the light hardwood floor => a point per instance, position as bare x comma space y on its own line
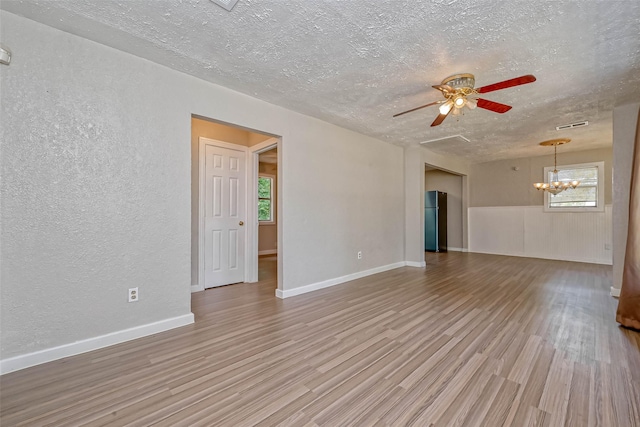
473, 340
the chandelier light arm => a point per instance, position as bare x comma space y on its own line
555, 186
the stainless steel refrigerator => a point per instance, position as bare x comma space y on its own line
435, 221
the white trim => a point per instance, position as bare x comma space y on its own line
337, 281
615, 292
268, 252
50, 354
223, 144
415, 264
452, 249
566, 258
265, 145
600, 206
251, 261
197, 288
272, 198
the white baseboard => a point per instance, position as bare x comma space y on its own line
338, 280
538, 256
615, 292
451, 249
50, 354
196, 288
603, 261
415, 264
268, 252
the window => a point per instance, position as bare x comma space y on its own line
266, 208
587, 197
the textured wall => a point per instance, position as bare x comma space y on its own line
516, 187
413, 205
342, 193
452, 185
625, 119
96, 189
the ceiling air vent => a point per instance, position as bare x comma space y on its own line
573, 125
226, 4
448, 140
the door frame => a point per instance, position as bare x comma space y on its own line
202, 142
251, 209
251, 260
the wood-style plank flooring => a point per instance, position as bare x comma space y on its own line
472, 340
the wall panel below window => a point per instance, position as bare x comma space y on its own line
528, 231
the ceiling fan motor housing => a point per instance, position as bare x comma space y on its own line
460, 81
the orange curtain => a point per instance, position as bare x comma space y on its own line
629, 304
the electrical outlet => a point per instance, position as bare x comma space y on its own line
359, 254
134, 296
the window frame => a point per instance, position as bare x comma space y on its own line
600, 189
271, 199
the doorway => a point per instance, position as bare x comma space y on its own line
224, 211
436, 179
267, 213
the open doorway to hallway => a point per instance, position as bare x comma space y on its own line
225, 204
267, 214
452, 185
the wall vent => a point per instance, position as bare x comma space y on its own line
225, 4
573, 125
448, 140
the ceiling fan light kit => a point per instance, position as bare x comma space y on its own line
446, 107
555, 186
459, 91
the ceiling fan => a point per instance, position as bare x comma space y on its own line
458, 91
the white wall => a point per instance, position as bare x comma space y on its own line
625, 119
96, 190
528, 231
343, 193
414, 207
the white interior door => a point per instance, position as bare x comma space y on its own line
224, 215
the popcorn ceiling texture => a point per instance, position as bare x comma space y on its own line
356, 63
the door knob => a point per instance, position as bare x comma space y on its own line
241, 223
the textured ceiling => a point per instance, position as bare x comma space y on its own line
355, 63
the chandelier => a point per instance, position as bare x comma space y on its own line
555, 186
